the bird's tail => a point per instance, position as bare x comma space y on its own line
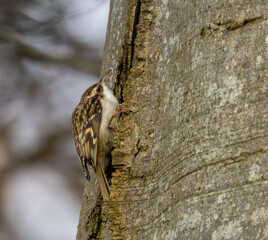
104, 185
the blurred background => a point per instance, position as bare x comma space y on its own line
50, 52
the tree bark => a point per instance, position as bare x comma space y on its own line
190, 154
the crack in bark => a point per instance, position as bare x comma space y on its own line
217, 193
238, 24
231, 25
128, 49
134, 30
229, 160
138, 148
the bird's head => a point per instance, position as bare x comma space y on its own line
97, 89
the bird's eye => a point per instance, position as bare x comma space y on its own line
98, 89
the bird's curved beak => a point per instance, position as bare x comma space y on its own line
106, 75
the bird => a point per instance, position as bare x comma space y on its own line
93, 122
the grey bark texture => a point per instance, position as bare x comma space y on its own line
190, 154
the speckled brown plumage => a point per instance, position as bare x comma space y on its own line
91, 132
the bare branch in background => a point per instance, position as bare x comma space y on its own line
24, 49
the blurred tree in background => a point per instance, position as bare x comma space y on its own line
50, 52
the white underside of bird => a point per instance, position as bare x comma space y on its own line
109, 107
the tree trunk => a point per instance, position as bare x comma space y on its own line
190, 152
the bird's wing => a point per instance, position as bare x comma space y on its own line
90, 132
87, 134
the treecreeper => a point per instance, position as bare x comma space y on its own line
93, 121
